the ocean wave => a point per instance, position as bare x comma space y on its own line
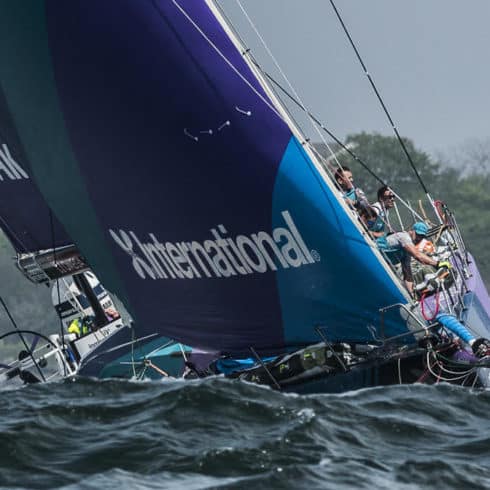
230, 434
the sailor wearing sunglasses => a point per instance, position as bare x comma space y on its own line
386, 201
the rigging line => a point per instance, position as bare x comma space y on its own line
253, 61
399, 216
131, 326
28, 350
142, 374
457, 373
293, 125
324, 162
260, 96
51, 223
439, 375
227, 61
247, 51
475, 379
166, 344
344, 147
319, 123
295, 93
380, 99
73, 300
120, 346
183, 352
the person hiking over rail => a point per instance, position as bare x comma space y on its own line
385, 202
397, 247
354, 196
418, 234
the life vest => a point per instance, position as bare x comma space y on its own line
356, 197
394, 254
379, 226
78, 328
351, 194
426, 246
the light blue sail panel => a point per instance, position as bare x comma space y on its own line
346, 285
161, 154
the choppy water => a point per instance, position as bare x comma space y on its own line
219, 433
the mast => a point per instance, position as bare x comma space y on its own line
83, 285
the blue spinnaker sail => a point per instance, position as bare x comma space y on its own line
179, 180
24, 215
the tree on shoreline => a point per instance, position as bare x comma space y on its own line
465, 189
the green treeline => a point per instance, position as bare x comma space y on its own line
464, 188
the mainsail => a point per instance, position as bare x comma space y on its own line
25, 217
180, 179
44, 249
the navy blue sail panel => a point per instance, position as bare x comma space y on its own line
201, 208
24, 215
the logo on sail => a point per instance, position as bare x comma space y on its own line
220, 257
9, 167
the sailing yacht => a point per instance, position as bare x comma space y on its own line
229, 233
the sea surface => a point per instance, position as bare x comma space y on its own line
218, 433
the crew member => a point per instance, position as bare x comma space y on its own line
79, 327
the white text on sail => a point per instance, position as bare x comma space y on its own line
9, 166
220, 257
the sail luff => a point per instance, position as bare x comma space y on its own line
279, 106
301, 137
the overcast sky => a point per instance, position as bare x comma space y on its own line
430, 60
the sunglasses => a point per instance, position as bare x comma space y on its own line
389, 196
